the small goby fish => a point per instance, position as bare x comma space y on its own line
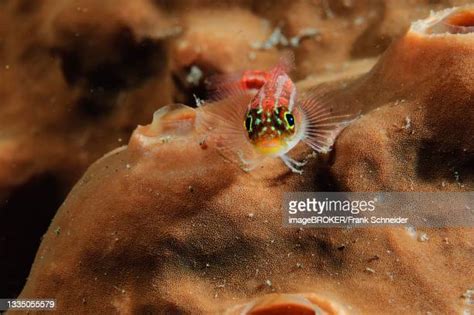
261, 116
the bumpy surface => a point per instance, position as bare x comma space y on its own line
79, 75
76, 77
421, 134
167, 225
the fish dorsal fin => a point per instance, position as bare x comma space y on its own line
285, 65
221, 86
322, 122
286, 62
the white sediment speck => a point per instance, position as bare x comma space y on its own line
400, 101
268, 282
411, 231
369, 270
419, 236
456, 176
128, 166
275, 39
423, 237
407, 123
194, 75
199, 102
327, 9
468, 296
305, 33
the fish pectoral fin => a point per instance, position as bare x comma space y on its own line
227, 114
321, 123
292, 164
245, 164
246, 159
222, 124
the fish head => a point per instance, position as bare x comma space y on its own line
272, 130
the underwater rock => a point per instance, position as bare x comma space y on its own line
331, 32
71, 82
167, 225
217, 41
76, 78
288, 304
79, 75
421, 134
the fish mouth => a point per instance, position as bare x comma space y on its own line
270, 146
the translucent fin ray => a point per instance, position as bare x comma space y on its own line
223, 123
221, 86
321, 124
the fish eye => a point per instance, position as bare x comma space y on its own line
290, 119
248, 123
